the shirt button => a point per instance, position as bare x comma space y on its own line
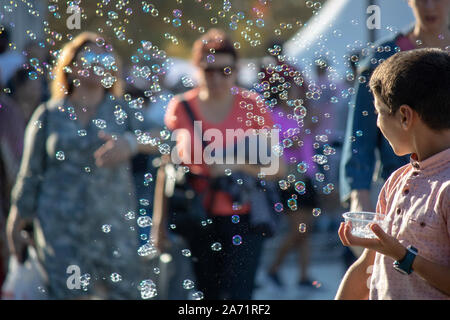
415, 173
406, 191
422, 224
399, 210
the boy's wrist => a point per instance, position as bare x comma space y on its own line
399, 253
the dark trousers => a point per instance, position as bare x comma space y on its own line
227, 274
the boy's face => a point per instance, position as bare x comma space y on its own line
392, 129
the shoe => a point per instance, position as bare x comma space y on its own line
309, 284
275, 278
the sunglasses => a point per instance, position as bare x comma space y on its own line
224, 71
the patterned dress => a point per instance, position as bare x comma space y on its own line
80, 210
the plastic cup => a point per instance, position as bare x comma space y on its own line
361, 221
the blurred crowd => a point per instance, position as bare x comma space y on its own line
88, 182
75, 179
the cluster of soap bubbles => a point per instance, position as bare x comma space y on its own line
149, 63
147, 289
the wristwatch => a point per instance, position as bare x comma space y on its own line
404, 266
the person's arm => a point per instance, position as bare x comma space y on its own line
17, 238
159, 233
360, 201
354, 285
435, 274
25, 193
360, 143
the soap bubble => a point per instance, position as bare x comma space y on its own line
177, 13
147, 289
60, 156
300, 187
198, 295
188, 284
84, 281
292, 204
283, 184
164, 148
130, 215
259, 23
320, 177
235, 218
302, 228
186, 252
106, 228
302, 167
216, 246
316, 212
144, 222
99, 123
148, 177
187, 82
278, 207
328, 188
32, 75
300, 112
176, 22
227, 70
115, 277
237, 240
147, 250
210, 58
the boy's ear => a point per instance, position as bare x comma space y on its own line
406, 114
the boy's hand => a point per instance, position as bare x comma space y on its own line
384, 244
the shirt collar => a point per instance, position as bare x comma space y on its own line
431, 162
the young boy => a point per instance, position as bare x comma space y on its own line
411, 260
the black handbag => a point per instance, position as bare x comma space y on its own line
186, 210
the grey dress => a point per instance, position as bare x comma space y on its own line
73, 202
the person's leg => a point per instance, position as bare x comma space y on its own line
304, 257
286, 246
301, 236
241, 258
287, 243
206, 263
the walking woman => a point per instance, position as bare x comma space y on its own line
75, 180
225, 251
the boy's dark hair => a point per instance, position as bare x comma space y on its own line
418, 78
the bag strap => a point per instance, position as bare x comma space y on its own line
211, 181
191, 116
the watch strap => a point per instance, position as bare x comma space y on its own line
406, 263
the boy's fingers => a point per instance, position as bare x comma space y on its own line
378, 231
341, 234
